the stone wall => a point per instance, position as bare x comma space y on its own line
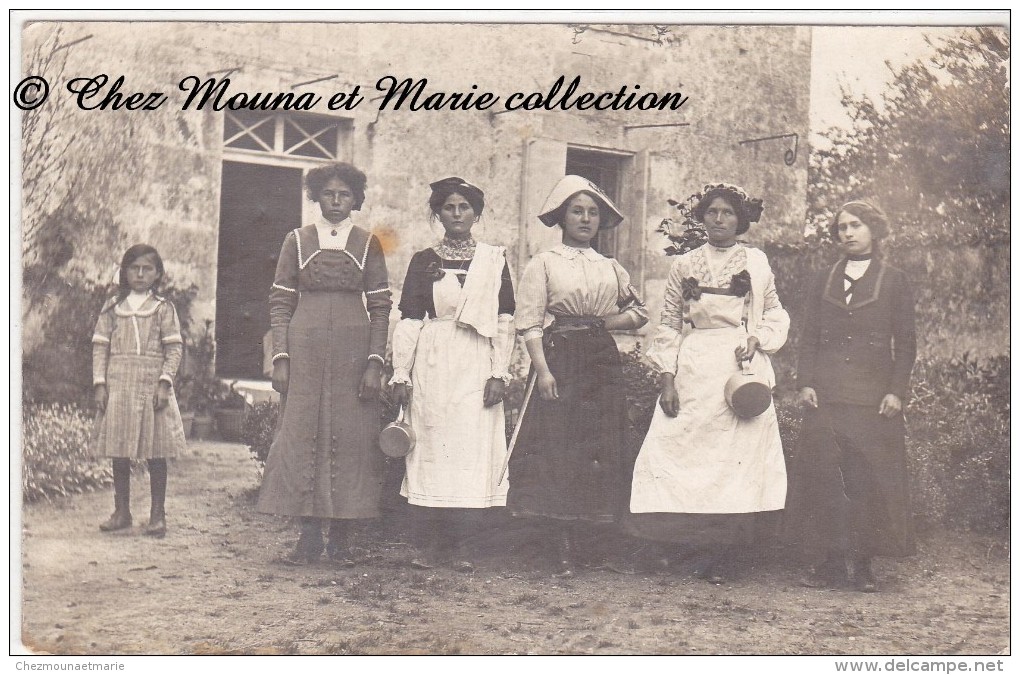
155, 176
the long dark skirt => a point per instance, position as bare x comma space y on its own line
849, 488
568, 460
325, 461
695, 529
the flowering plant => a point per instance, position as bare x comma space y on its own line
687, 234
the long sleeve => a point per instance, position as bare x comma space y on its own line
416, 293
101, 338
507, 302
532, 300
810, 338
173, 343
503, 347
904, 339
629, 301
283, 296
774, 326
405, 342
666, 344
503, 343
378, 299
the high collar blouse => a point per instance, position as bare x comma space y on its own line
327, 240
567, 281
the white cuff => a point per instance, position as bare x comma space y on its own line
665, 349
401, 376
532, 333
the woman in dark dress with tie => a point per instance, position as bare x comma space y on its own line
849, 496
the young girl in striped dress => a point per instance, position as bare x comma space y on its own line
136, 350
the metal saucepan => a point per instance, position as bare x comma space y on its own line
397, 438
747, 392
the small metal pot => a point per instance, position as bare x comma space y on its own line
747, 392
397, 438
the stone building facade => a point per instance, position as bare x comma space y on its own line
216, 190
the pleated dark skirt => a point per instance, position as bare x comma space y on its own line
568, 460
849, 488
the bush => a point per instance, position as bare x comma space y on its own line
59, 370
642, 392
55, 453
260, 428
958, 441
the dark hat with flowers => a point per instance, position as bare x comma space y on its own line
748, 209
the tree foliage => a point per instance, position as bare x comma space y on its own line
935, 154
72, 164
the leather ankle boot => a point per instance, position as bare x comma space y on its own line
565, 554
338, 547
121, 518
156, 526
860, 574
433, 552
157, 484
309, 545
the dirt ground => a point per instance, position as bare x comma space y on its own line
215, 585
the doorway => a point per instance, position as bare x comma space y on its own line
259, 204
605, 170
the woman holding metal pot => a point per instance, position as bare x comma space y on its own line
451, 354
707, 468
849, 497
567, 464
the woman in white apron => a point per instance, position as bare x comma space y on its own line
451, 354
703, 473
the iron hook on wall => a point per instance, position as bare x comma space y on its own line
790, 156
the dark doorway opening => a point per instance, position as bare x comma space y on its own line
259, 204
606, 171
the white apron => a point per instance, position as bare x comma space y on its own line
708, 460
460, 444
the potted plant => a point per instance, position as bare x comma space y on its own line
183, 389
231, 409
205, 388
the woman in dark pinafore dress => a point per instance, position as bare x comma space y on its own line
327, 362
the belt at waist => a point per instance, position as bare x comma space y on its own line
739, 326
565, 324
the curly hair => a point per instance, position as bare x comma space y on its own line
349, 174
731, 198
